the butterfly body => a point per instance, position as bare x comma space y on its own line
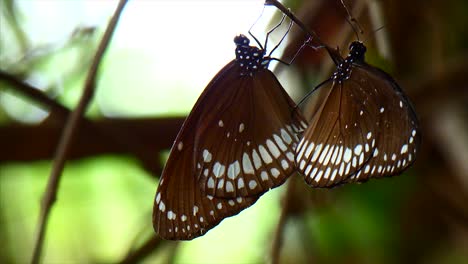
366, 127
237, 143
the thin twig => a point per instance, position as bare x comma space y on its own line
144, 250
33, 93
69, 134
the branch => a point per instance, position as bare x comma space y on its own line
33, 93
141, 253
103, 136
112, 134
69, 134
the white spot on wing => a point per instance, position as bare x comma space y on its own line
171, 215
310, 147
347, 155
286, 137
247, 164
233, 170
264, 176
206, 156
256, 159
180, 146
218, 169
240, 183
241, 127
316, 152
265, 155
220, 184
280, 142
252, 184
324, 153
210, 183
273, 149
275, 172
404, 148
358, 149
229, 187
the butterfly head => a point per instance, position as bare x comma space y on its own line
357, 50
241, 40
249, 58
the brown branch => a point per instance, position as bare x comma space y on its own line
33, 93
144, 250
37, 142
69, 134
119, 136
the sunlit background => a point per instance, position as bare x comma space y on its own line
161, 57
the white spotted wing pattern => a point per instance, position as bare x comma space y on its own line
237, 143
247, 150
365, 128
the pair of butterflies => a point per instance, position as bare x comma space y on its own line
245, 136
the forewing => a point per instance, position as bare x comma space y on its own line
181, 211
245, 142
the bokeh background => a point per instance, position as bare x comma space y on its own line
161, 57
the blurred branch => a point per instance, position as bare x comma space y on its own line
68, 135
37, 142
33, 93
97, 137
141, 253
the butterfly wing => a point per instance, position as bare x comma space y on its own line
399, 135
181, 211
245, 144
365, 122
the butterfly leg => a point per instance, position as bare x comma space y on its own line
250, 29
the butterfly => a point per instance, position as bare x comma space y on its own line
365, 128
237, 143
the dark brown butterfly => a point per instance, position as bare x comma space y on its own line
365, 128
237, 143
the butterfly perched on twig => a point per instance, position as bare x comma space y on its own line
366, 127
237, 143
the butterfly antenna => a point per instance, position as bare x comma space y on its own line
313, 90
374, 32
284, 36
352, 21
250, 29
305, 44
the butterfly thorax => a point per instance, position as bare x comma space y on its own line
356, 54
249, 58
